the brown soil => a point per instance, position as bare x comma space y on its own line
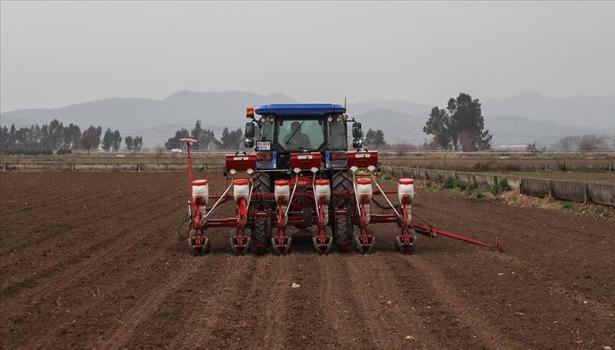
92, 260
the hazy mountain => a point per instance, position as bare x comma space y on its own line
518, 130
400, 106
521, 119
183, 107
586, 111
397, 127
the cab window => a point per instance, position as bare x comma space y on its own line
337, 133
265, 131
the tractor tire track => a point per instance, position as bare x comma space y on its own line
489, 335
193, 307
147, 306
240, 317
343, 313
272, 290
383, 303
307, 320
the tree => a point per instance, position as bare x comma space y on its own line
71, 136
379, 138
438, 125
53, 135
205, 138
199, 135
369, 137
468, 124
137, 143
116, 140
461, 125
128, 141
593, 143
4, 138
107, 140
90, 139
374, 138
174, 142
232, 139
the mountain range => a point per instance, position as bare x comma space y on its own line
520, 119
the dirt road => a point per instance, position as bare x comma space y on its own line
92, 260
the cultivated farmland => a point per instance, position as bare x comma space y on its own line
93, 260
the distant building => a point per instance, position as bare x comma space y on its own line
513, 148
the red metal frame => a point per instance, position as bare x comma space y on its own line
305, 160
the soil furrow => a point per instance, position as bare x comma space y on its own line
115, 276
122, 279
101, 253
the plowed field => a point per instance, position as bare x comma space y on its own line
92, 260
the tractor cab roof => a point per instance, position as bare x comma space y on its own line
300, 109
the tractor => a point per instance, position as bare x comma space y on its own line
299, 176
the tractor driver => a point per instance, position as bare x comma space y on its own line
296, 138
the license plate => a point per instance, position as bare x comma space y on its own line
263, 145
362, 155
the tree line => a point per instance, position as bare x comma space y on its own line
206, 138
60, 138
585, 143
374, 138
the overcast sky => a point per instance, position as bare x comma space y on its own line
54, 53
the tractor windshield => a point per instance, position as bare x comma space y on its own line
299, 135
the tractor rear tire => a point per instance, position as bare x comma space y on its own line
262, 182
261, 234
342, 224
261, 230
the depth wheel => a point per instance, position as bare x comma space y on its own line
364, 248
283, 250
406, 249
239, 250
204, 249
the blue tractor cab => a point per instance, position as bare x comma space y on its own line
299, 127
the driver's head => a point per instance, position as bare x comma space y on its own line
294, 126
